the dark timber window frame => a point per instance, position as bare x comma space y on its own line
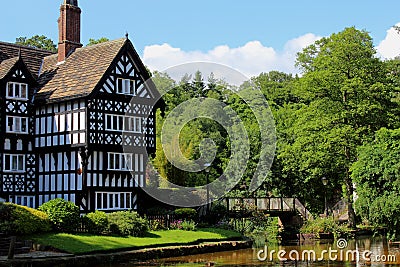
17, 91
119, 123
120, 161
113, 200
18, 124
126, 87
14, 163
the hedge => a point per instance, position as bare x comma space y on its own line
21, 220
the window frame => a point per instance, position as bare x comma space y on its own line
14, 120
119, 161
114, 198
126, 123
122, 89
10, 168
14, 84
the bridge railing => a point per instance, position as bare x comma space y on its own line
264, 204
268, 204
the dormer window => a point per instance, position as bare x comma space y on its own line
126, 87
17, 91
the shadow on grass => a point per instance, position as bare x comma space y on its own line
151, 235
89, 244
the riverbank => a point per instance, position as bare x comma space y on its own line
124, 256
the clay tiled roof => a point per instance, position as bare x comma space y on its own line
32, 57
6, 66
79, 74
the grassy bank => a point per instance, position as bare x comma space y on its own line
86, 243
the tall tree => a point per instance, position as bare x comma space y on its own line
191, 135
346, 98
41, 42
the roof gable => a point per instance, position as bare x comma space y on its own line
79, 74
32, 57
87, 71
128, 65
17, 65
6, 66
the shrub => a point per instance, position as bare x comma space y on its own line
63, 214
176, 225
21, 220
188, 225
97, 222
156, 225
219, 210
323, 225
126, 223
185, 214
385, 211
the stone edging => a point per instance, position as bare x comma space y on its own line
126, 256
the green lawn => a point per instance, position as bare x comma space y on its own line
86, 243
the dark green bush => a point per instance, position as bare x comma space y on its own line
323, 225
21, 220
217, 213
63, 214
385, 211
97, 222
126, 223
185, 214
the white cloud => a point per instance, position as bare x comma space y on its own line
390, 46
250, 59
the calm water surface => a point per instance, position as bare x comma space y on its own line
381, 254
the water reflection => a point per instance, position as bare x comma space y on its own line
389, 255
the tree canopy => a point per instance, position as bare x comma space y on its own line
343, 97
36, 41
97, 41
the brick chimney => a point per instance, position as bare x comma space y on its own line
69, 29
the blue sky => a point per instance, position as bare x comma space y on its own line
208, 30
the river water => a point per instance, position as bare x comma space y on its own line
360, 252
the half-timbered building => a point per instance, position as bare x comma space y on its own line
77, 124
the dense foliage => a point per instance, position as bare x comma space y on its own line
185, 213
64, 215
324, 225
97, 222
344, 96
377, 176
97, 41
21, 220
127, 223
36, 41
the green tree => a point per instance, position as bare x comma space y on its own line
191, 135
41, 42
377, 177
345, 97
97, 41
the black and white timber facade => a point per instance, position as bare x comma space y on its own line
77, 124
